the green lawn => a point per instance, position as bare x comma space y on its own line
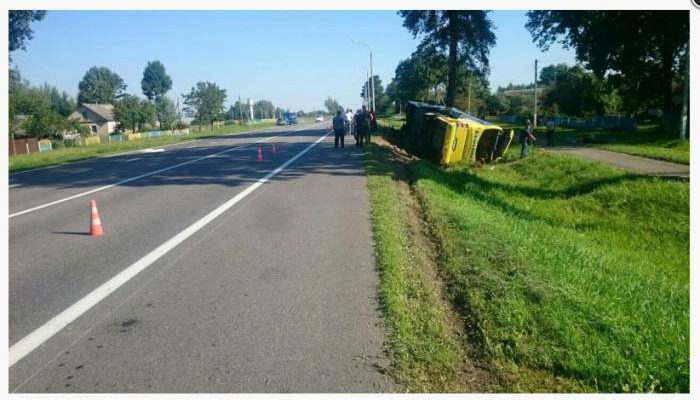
648, 141
566, 266
569, 275
66, 155
674, 150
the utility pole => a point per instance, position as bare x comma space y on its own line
179, 115
370, 85
684, 115
369, 96
534, 119
371, 74
240, 111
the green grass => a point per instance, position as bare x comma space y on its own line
648, 141
566, 266
391, 122
674, 150
71, 154
425, 356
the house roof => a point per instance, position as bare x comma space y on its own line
98, 113
104, 111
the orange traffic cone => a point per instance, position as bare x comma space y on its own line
274, 148
260, 158
95, 223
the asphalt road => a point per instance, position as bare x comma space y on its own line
216, 273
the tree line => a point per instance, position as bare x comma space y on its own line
46, 109
43, 111
627, 62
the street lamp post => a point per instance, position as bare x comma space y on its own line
369, 96
371, 74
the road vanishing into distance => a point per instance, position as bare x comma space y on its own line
216, 272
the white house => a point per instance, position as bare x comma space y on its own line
99, 118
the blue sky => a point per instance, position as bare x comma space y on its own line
293, 58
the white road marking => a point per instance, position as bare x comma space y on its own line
131, 159
262, 130
152, 150
99, 189
13, 185
35, 339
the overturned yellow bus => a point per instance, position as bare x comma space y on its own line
448, 135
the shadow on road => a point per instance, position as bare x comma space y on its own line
233, 168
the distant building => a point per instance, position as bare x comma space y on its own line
99, 118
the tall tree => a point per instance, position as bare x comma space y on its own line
549, 73
165, 112
332, 105
235, 111
20, 27
263, 109
577, 92
59, 101
420, 77
100, 85
45, 108
206, 101
645, 49
497, 104
133, 113
381, 102
472, 92
156, 82
466, 36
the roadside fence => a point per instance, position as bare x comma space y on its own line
33, 145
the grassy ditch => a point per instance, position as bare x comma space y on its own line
71, 154
567, 275
424, 351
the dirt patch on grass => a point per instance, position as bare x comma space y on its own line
472, 375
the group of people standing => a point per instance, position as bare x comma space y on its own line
359, 125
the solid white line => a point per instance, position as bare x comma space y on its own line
13, 185
35, 339
99, 189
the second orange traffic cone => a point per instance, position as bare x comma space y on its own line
95, 222
260, 158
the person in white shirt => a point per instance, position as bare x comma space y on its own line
348, 118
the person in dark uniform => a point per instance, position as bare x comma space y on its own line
339, 128
362, 127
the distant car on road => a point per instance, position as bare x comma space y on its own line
291, 119
319, 118
281, 121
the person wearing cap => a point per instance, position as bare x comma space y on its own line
339, 128
525, 137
